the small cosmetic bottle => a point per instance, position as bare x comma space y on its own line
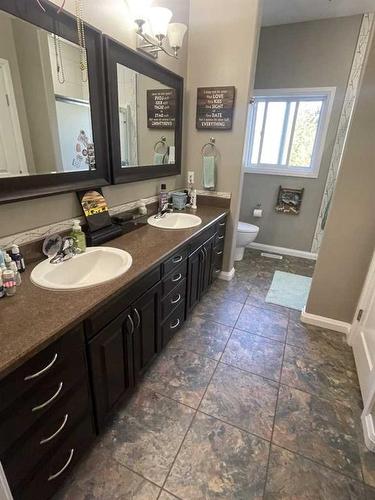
9, 283
18, 258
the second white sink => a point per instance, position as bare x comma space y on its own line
94, 267
175, 221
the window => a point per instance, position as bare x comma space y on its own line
286, 131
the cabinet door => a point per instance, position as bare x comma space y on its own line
110, 354
194, 279
146, 338
207, 266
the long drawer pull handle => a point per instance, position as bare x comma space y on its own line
177, 277
176, 260
175, 325
138, 317
131, 324
46, 440
219, 253
54, 476
176, 300
45, 369
46, 403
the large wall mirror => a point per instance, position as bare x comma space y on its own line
145, 111
52, 104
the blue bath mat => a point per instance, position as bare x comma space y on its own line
289, 290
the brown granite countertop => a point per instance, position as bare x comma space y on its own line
35, 317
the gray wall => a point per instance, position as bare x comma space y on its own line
223, 44
310, 54
349, 238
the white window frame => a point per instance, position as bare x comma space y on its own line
328, 94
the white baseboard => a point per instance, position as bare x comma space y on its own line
284, 251
328, 323
227, 276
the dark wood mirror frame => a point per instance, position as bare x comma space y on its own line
115, 52
64, 25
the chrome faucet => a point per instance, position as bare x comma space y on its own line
67, 251
166, 208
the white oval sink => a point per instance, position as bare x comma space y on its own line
175, 221
94, 267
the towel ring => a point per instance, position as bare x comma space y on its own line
210, 144
162, 142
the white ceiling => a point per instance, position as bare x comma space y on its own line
295, 11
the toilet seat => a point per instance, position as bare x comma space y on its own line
244, 227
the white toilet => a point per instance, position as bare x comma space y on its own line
246, 234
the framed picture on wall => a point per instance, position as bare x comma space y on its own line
289, 201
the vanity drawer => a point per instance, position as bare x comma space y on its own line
170, 264
57, 466
45, 366
201, 239
221, 227
174, 279
217, 263
173, 300
173, 323
56, 425
25, 412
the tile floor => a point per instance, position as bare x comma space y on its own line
245, 403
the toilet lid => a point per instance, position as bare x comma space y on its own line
243, 227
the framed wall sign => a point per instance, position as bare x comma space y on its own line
215, 108
161, 108
289, 201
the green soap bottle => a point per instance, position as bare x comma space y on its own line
78, 236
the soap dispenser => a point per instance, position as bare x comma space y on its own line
78, 236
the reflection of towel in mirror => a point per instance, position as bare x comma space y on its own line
159, 158
209, 172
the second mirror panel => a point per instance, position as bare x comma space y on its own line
147, 119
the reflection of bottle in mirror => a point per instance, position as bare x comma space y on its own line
171, 156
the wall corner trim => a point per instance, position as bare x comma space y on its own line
323, 322
227, 276
284, 251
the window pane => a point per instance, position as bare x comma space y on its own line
305, 133
273, 132
259, 110
288, 133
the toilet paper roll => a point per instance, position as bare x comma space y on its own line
258, 212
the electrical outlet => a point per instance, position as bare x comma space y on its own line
190, 177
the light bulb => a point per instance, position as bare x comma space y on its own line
159, 18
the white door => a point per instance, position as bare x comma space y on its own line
362, 340
12, 154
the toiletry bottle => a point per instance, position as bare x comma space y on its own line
142, 208
78, 236
2, 252
17, 275
9, 283
18, 258
163, 196
7, 260
2, 290
193, 199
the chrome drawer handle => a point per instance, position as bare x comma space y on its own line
220, 237
176, 300
222, 224
54, 476
138, 318
46, 403
175, 325
46, 440
177, 277
176, 260
219, 253
45, 369
131, 324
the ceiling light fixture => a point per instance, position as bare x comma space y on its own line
155, 32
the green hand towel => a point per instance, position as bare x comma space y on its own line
209, 172
159, 158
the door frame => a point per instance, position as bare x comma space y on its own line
5, 67
364, 302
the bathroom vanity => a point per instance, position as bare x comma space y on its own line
87, 349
